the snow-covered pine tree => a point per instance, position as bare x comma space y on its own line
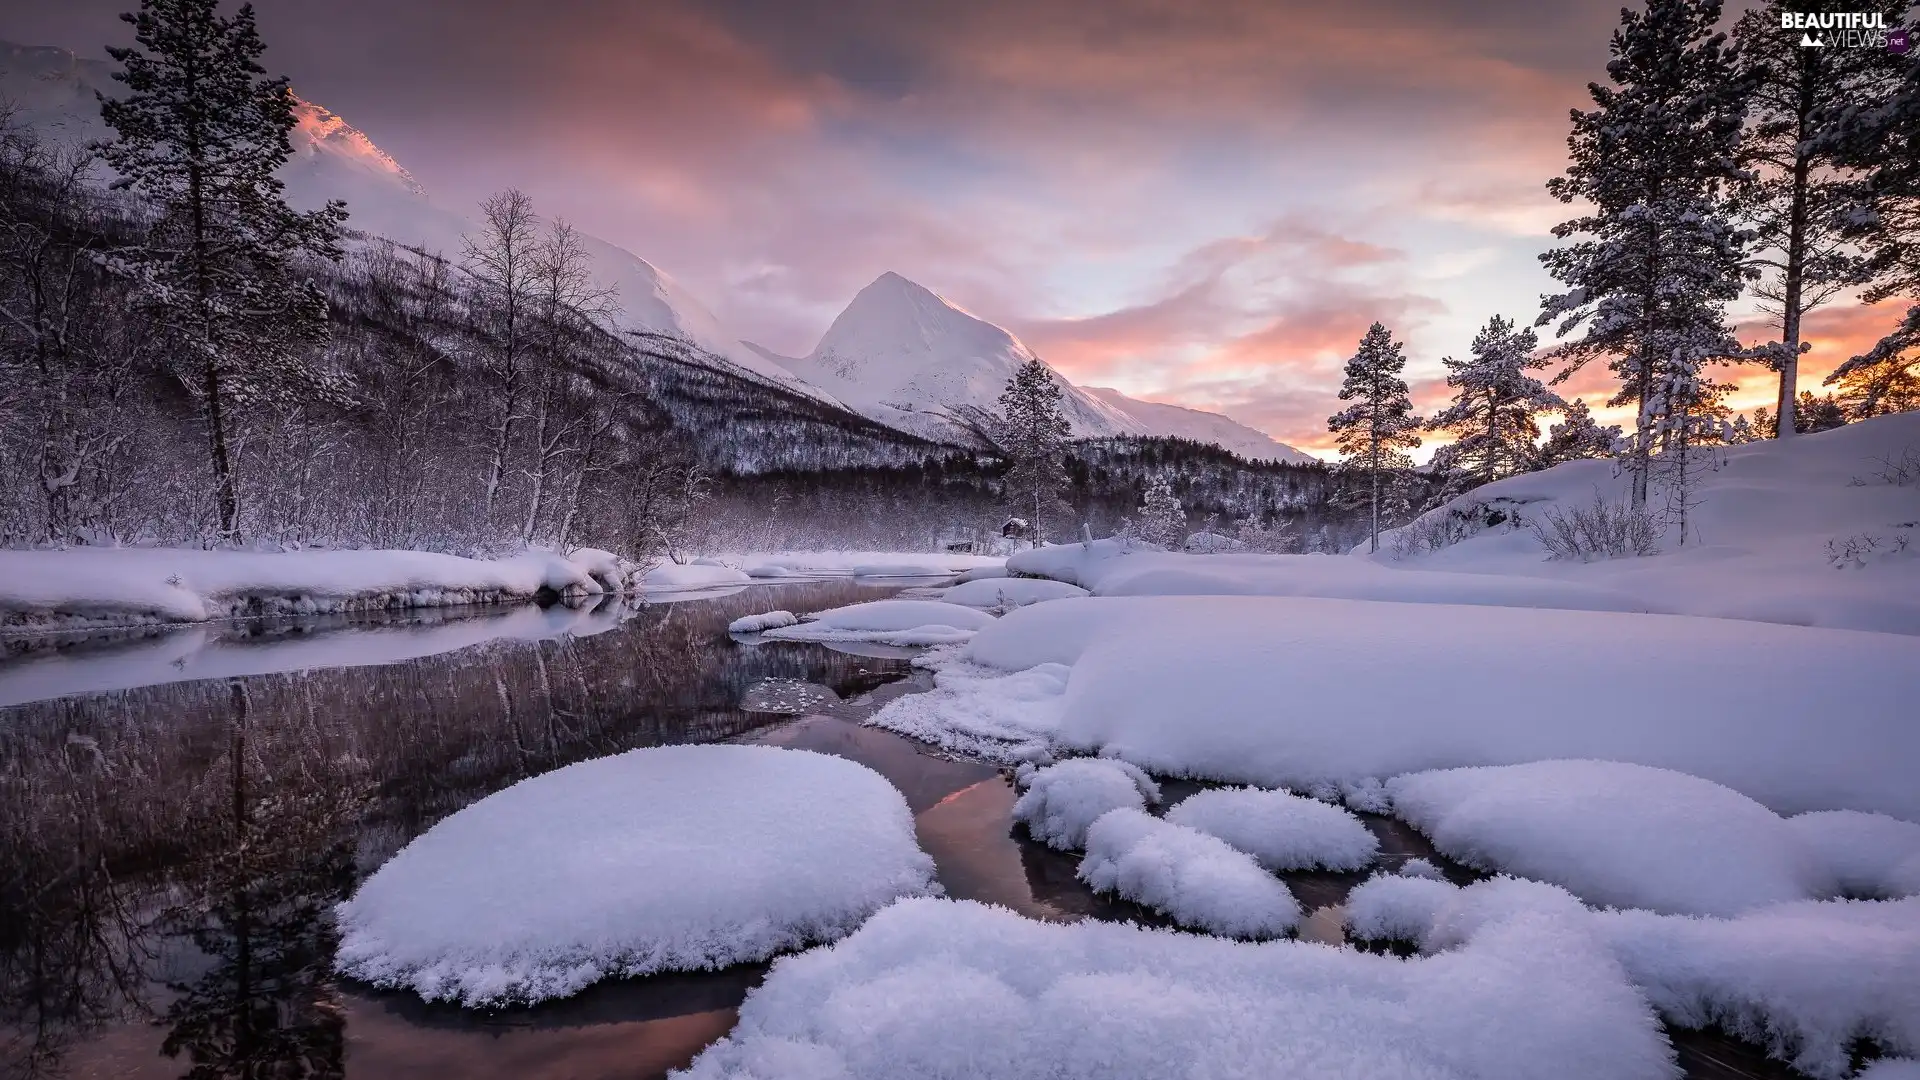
1031, 431
1494, 405
1880, 135
1379, 425
1657, 256
201, 132
1885, 378
1161, 519
1577, 436
1796, 196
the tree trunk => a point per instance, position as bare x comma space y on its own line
1794, 273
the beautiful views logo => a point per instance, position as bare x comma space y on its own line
1846, 30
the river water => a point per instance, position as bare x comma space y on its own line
180, 809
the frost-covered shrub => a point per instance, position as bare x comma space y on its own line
1446, 527
1599, 530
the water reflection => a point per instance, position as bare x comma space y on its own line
176, 826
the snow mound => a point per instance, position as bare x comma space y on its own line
1614, 834
1118, 568
668, 858
1246, 690
682, 577
1009, 592
1396, 907
1805, 979
760, 571
1890, 1069
1281, 830
982, 573
1062, 800
949, 989
889, 622
971, 710
1867, 854
1195, 879
754, 624
1417, 867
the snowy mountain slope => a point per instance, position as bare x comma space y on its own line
906, 356
54, 91
1202, 426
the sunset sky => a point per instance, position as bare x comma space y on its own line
1196, 201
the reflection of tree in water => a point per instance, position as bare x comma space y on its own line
228, 815
259, 907
69, 945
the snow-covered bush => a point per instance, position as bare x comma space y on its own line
1600, 530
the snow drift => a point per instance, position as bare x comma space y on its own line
668, 858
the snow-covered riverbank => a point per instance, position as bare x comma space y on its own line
121, 586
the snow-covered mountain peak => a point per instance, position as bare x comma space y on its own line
904, 355
320, 130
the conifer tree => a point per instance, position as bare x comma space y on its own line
1493, 410
1797, 195
1032, 432
1162, 520
1379, 425
1657, 256
1879, 134
1577, 436
1885, 378
201, 132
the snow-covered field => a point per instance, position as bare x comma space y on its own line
669, 858
1701, 769
1816, 531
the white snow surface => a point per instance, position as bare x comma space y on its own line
1000, 717
832, 563
1396, 907
1061, 801
1281, 830
1615, 834
1759, 548
1195, 879
1246, 690
1868, 855
667, 858
1805, 979
951, 989
1890, 1069
1008, 593
139, 584
753, 624
685, 577
889, 622
1120, 568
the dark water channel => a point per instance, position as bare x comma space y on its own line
179, 810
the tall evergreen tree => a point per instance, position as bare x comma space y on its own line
1494, 404
1379, 425
1797, 196
1879, 134
1658, 257
1032, 432
1885, 378
201, 132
